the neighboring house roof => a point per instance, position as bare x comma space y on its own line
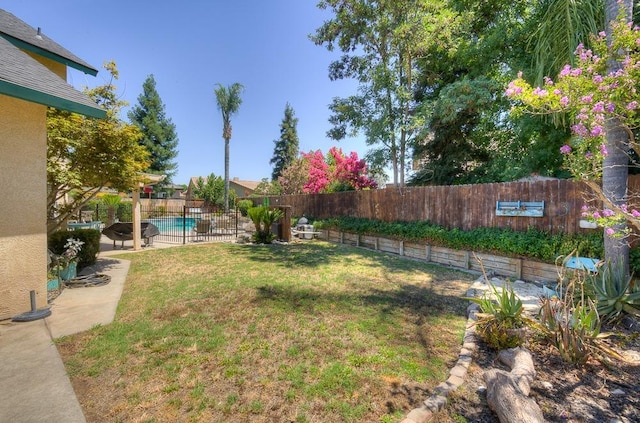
23, 77
250, 185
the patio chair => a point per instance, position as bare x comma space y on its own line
202, 228
123, 231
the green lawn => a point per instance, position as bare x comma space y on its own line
311, 332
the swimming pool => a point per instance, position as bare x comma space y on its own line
173, 225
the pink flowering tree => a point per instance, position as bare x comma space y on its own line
293, 178
319, 174
313, 173
350, 171
598, 101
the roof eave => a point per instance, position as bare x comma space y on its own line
46, 53
34, 96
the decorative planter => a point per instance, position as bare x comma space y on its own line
53, 284
69, 272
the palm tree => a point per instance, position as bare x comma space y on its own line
229, 102
565, 23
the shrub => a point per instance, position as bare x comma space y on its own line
263, 218
243, 206
90, 249
532, 243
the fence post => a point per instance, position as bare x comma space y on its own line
427, 252
184, 224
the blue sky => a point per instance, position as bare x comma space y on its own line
189, 47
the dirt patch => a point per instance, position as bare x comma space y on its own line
565, 393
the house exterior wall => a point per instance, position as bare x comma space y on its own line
58, 68
241, 191
23, 234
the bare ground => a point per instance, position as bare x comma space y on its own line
565, 393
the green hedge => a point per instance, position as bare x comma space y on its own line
532, 243
90, 249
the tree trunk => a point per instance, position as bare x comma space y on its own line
226, 175
615, 165
508, 393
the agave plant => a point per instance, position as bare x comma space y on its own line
615, 292
500, 323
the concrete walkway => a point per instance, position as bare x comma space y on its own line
33, 381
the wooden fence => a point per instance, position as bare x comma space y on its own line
459, 206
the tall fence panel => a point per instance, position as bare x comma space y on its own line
459, 206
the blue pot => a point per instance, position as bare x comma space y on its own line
53, 284
69, 272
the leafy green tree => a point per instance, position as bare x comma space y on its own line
465, 137
266, 187
159, 133
211, 190
286, 147
85, 155
381, 42
229, 101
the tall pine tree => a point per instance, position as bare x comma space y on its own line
286, 148
159, 132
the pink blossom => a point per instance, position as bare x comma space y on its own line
548, 81
587, 98
635, 213
596, 131
596, 215
564, 100
557, 91
598, 107
580, 130
603, 150
610, 107
610, 231
565, 149
632, 105
576, 72
623, 207
597, 79
607, 213
566, 71
539, 92
588, 155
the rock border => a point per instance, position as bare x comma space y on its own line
438, 399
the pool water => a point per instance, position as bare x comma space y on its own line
173, 225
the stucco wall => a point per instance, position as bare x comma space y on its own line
23, 239
56, 67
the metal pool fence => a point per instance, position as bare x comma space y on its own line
190, 224
180, 224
